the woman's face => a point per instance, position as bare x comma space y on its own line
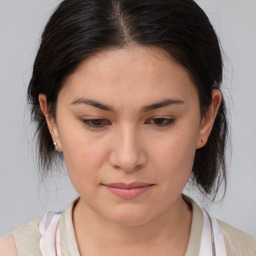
124, 116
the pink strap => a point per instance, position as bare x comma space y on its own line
50, 240
212, 240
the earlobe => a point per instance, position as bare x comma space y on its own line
50, 121
209, 118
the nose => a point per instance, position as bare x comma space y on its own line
127, 152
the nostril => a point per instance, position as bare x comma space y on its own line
127, 152
127, 163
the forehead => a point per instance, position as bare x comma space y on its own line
131, 72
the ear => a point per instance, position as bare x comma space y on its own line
51, 123
209, 118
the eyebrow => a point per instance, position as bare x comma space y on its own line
147, 108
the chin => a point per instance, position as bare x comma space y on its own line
129, 218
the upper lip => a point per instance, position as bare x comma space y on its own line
128, 185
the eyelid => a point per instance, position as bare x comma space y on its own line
88, 122
166, 122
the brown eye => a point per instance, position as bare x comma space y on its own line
96, 123
162, 121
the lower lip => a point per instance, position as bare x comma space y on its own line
128, 193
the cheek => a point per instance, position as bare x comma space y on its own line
177, 171
83, 160
178, 149
175, 156
82, 157
83, 153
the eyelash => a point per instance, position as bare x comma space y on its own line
88, 122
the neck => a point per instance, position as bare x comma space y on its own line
169, 232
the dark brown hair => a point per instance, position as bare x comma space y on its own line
80, 28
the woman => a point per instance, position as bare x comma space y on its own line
128, 92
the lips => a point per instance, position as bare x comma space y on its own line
128, 191
130, 185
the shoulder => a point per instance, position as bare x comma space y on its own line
24, 239
27, 228
237, 242
7, 246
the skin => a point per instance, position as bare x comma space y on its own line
128, 147
7, 246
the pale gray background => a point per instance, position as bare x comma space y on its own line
23, 197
